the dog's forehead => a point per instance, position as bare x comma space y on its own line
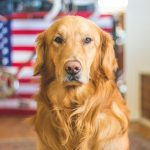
74, 23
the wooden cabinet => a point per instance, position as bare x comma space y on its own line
145, 96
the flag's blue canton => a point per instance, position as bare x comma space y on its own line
5, 43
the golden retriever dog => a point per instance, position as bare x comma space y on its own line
79, 106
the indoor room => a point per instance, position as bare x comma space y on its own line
108, 42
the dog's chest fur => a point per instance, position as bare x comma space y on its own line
74, 120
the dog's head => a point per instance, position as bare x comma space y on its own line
72, 50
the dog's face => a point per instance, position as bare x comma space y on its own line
71, 49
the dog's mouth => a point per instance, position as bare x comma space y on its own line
72, 80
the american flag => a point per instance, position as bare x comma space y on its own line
23, 35
17, 42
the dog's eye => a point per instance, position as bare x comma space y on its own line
87, 40
59, 40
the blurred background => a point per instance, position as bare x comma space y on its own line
22, 20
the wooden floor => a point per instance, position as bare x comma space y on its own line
16, 127
139, 128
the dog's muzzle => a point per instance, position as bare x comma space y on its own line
72, 69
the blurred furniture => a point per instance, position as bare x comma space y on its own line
145, 95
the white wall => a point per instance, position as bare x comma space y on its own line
137, 52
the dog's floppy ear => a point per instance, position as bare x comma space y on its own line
108, 60
40, 52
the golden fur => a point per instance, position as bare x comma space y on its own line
85, 115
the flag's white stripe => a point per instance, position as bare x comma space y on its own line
27, 88
21, 56
15, 103
26, 72
9, 103
23, 40
30, 24
11, 69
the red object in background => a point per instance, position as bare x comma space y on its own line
85, 14
26, 15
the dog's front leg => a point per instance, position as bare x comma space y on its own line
112, 132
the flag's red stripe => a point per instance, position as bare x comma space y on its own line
22, 64
28, 80
21, 95
85, 14
109, 30
25, 48
24, 15
25, 95
27, 31
28, 48
18, 111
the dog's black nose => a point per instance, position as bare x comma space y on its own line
72, 67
